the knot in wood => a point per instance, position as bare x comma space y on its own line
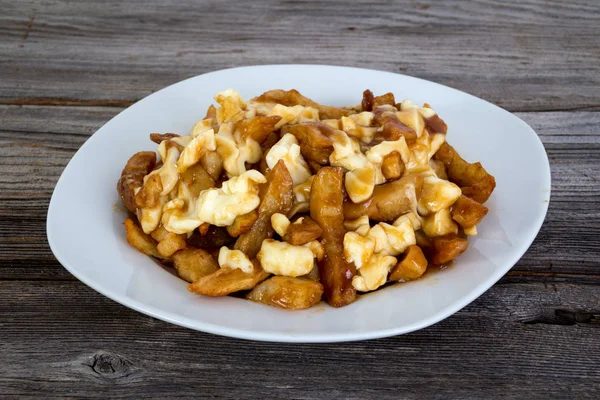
110, 365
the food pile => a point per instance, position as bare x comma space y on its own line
284, 200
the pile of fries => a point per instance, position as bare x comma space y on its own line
284, 200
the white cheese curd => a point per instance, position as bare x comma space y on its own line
237, 196
288, 150
374, 273
437, 194
282, 258
235, 259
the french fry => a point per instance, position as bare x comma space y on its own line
445, 249
384, 99
326, 208
389, 200
197, 179
313, 139
276, 197
367, 101
132, 177
159, 233
214, 237
467, 212
439, 168
242, 223
392, 166
394, 129
292, 97
192, 264
226, 280
149, 194
213, 164
313, 275
158, 138
473, 179
257, 128
301, 233
288, 293
211, 112
139, 240
171, 243
412, 266
436, 125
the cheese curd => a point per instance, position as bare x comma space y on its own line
282, 258
358, 249
359, 126
302, 191
374, 273
413, 119
437, 194
439, 223
197, 147
231, 106
237, 196
294, 115
288, 150
236, 151
360, 178
424, 111
180, 214
235, 259
280, 223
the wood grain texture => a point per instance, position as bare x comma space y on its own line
516, 341
529, 55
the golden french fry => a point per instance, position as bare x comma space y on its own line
412, 266
132, 177
257, 128
171, 243
367, 101
439, 168
288, 293
326, 209
445, 249
389, 200
226, 280
213, 164
242, 223
159, 233
213, 237
139, 240
394, 129
467, 212
211, 112
292, 97
306, 231
149, 194
473, 179
276, 197
158, 138
197, 179
192, 264
392, 166
384, 99
313, 139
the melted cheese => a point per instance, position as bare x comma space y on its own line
282, 258
288, 150
235, 259
237, 196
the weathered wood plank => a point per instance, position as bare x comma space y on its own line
36, 142
61, 339
527, 55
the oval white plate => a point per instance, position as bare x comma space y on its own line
87, 235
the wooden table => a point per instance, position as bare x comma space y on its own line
66, 68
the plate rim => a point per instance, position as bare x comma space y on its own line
283, 337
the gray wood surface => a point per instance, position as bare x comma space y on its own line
67, 67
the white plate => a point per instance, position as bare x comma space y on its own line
87, 236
